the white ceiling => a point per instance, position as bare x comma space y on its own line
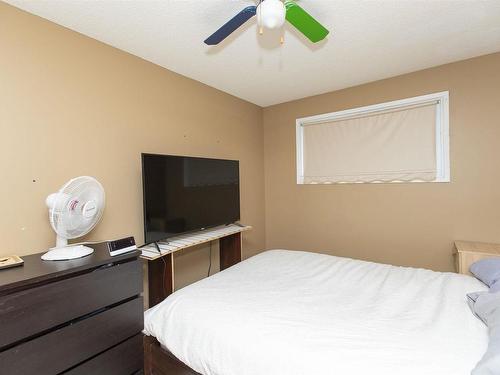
369, 40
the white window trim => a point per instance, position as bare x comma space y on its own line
442, 129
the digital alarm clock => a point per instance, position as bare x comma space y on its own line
123, 245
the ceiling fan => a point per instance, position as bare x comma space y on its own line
271, 14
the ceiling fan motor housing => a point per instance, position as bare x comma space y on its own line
271, 14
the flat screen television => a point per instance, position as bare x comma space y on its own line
184, 194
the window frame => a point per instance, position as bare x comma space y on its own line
442, 131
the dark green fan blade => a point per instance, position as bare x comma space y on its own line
304, 22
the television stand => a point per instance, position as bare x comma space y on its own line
161, 278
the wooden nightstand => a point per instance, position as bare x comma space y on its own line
468, 252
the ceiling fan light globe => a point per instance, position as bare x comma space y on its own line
271, 14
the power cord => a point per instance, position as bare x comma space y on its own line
164, 265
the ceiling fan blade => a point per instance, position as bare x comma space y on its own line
304, 22
231, 25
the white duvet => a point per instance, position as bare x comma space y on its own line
288, 312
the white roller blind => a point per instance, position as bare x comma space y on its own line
390, 145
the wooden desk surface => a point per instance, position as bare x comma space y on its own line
187, 240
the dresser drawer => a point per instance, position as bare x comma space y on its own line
32, 311
61, 349
123, 359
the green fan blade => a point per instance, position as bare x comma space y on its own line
304, 22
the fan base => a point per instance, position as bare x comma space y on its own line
67, 253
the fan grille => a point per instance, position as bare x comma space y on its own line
77, 207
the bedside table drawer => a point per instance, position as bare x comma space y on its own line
31, 311
72, 344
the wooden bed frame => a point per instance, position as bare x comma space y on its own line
159, 361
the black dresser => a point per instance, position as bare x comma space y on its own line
82, 316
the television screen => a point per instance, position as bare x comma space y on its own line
183, 194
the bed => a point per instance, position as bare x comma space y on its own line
293, 312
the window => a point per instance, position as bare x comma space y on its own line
401, 141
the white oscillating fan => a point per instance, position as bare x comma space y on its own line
74, 211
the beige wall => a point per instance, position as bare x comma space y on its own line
71, 106
404, 224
